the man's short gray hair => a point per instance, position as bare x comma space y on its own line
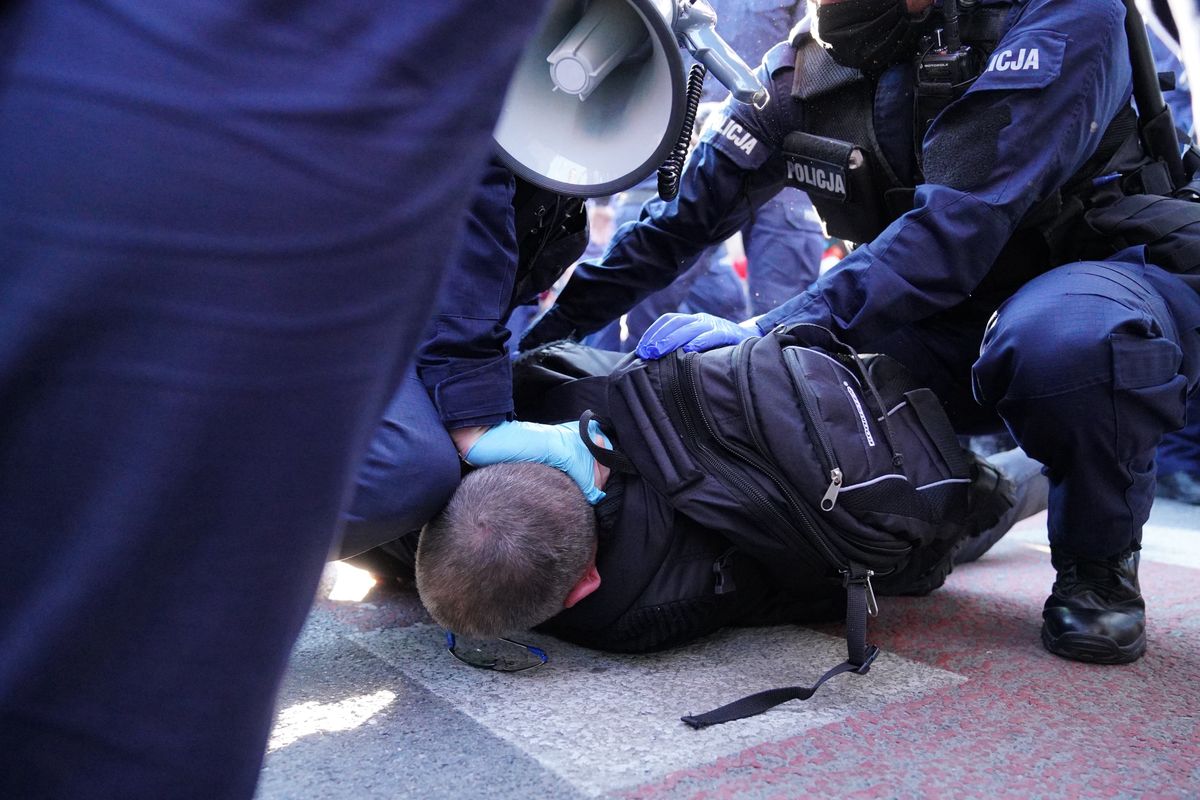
502, 556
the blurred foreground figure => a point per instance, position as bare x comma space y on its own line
221, 232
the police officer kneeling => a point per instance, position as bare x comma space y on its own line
993, 168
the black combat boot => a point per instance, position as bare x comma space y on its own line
1095, 611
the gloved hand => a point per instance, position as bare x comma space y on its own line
550, 327
693, 333
557, 446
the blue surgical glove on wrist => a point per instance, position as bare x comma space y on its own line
693, 333
557, 446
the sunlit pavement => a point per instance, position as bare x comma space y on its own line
964, 702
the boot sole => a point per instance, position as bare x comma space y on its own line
1093, 649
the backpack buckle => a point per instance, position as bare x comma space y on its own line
868, 660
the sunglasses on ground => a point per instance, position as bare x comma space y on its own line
498, 655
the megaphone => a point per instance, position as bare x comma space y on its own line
598, 99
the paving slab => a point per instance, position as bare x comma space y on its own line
963, 702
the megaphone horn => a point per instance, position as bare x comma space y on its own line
598, 100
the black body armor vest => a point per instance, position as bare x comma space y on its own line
861, 178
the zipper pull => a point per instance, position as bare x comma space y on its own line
835, 484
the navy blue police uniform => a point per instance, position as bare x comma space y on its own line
965, 227
516, 242
222, 228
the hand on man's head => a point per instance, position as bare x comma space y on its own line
557, 446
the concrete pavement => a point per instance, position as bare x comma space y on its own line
963, 702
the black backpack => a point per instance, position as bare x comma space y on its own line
827, 468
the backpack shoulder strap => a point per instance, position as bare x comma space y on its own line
559, 381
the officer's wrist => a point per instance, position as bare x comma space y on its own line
465, 438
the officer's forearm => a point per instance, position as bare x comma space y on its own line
647, 255
927, 261
622, 279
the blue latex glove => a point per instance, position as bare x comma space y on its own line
557, 446
693, 333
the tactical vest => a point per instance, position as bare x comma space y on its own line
861, 178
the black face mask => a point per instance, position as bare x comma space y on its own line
867, 34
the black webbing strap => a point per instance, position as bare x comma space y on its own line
860, 602
1157, 216
612, 459
928, 409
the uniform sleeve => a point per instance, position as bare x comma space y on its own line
464, 361
735, 168
1027, 124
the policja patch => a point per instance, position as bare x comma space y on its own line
821, 166
816, 177
728, 135
1032, 60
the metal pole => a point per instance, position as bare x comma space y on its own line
1154, 118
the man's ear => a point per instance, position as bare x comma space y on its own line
587, 583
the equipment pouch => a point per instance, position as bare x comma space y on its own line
839, 178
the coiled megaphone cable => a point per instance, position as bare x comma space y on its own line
671, 170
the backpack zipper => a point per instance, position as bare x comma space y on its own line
813, 529
761, 503
808, 406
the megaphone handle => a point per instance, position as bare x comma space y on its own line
699, 35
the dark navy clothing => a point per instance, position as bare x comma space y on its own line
464, 360
784, 243
924, 289
1180, 450
1092, 407
462, 378
710, 285
222, 226
410, 469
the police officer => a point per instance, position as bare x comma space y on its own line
964, 172
457, 401
783, 239
222, 228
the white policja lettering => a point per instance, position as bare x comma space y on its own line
1025, 59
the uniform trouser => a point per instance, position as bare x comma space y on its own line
214, 264
1180, 450
409, 472
1088, 365
784, 245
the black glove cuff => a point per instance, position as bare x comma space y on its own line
552, 327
